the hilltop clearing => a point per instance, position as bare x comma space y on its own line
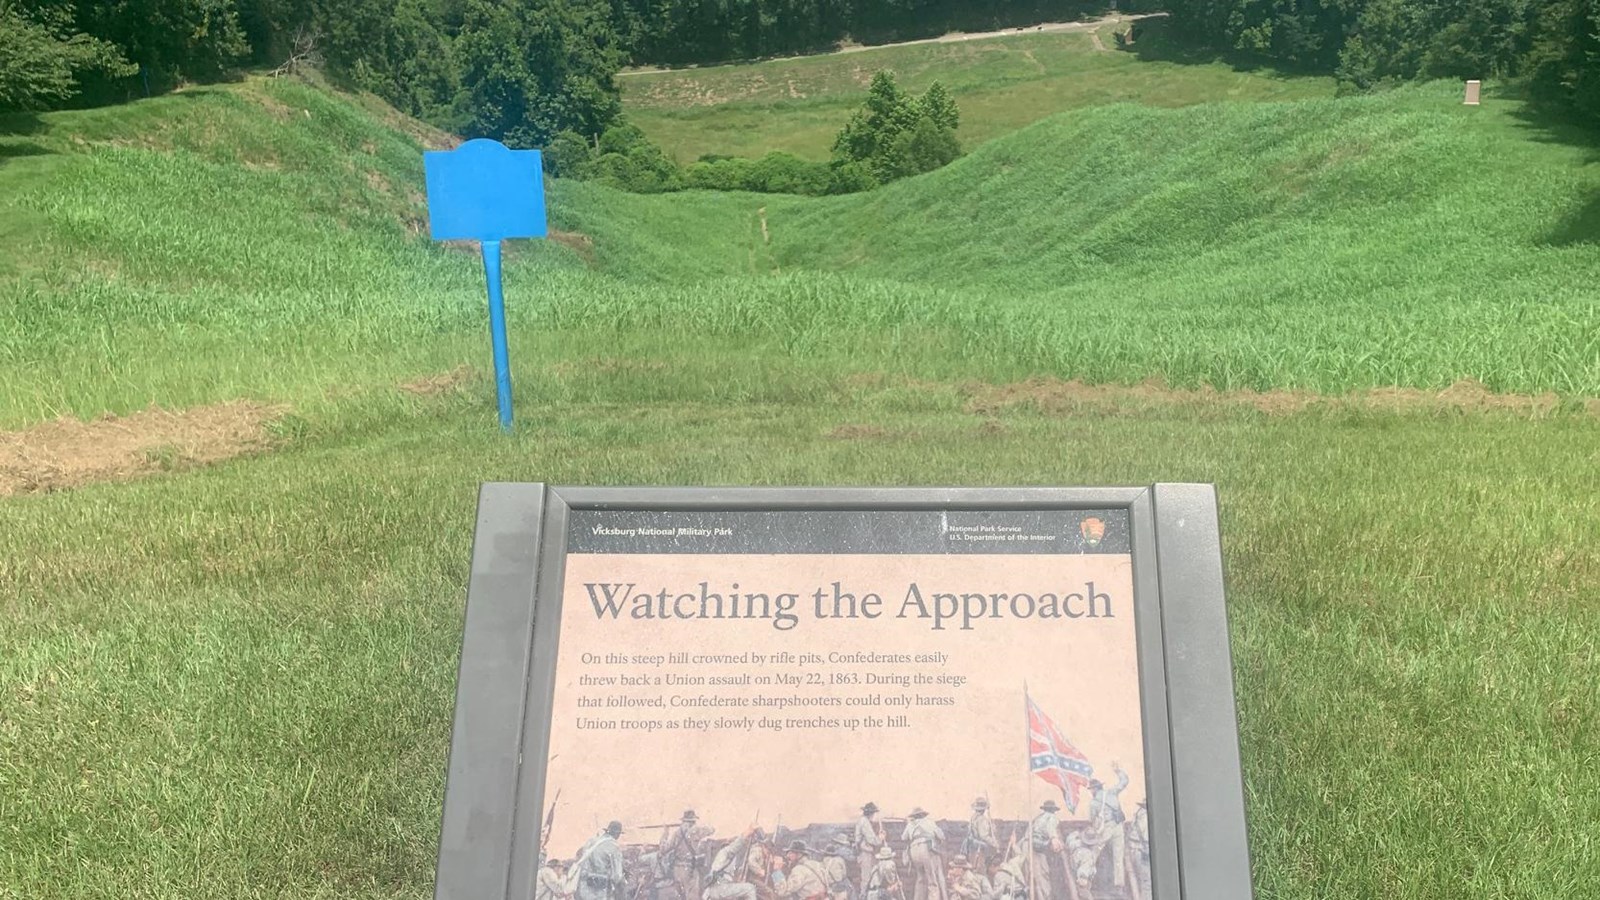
1002, 84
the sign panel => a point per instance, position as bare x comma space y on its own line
841, 693
484, 191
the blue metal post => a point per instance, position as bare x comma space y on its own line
497, 331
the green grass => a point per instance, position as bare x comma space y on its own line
1001, 84
236, 682
1323, 245
252, 697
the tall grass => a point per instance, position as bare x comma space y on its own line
1325, 245
236, 682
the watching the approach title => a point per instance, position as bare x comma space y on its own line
617, 600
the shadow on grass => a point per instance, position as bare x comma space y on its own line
15, 149
1553, 125
20, 123
1582, 227
1154, 42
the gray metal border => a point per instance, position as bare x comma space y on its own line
476, 836
1214, 852
493, 800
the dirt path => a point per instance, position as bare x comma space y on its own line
954, 37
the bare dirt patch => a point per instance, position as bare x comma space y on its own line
274, 107
1054, 396
577, 241
441, 383
67, 452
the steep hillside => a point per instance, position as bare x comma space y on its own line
1411, 179
1393, 239
265, 240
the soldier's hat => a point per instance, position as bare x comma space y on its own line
1049, 806
689, 816
799, 847
614, 829
1096, 784
980, 803
960, 862
869, 809
885, 853
916, 813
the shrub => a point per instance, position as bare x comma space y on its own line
894, 135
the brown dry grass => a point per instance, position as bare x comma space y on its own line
67, 452
579, 242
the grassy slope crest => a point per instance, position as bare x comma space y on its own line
266, 240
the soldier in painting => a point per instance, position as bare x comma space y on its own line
965, 883
883, 880
680, 858
1011, 878
599, 869
1082, 864
804, 878
835, 861
1106, 820
868, 840
727, 869
1044, 837
1139, 847
982, 844
925, 847
552, 882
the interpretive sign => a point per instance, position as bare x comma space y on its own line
845, 694
485, 191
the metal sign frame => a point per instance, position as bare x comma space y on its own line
493, 797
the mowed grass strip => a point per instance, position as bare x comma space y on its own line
250, 695
1002, 84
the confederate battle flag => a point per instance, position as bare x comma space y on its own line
1053, 758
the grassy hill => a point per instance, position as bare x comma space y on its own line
235, 680
1327, 244
1001, 84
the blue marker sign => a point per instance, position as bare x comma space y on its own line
486, 192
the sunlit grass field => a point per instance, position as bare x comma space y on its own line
1001, 84
236, 681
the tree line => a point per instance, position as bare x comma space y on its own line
520, 70
1550, 46
525, 71
516, 70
